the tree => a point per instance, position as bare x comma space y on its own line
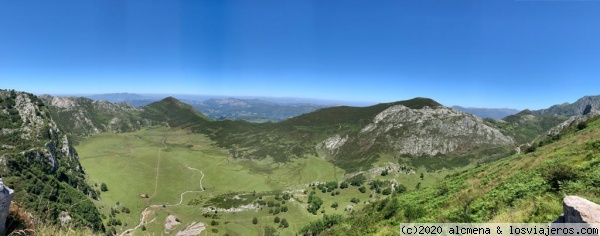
103, 187
384, 173
343, 185
362, 189
255, 220
387, 191
276, 219
334, 205
314, 205
422, 176
125, 210
400, 188
581, 125
284, 223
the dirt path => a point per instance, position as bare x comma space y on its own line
146, 212
158, 163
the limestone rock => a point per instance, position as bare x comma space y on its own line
427, 131
6, 195
580, 210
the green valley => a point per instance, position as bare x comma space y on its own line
172, 170
184, 174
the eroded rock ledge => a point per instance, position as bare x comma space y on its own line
579, 210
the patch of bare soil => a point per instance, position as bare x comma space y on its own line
192, 230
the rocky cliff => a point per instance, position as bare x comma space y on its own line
38, 161
427, 131
82, 117
572, 109
6, 195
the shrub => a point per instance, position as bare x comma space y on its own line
362, 189
103, 187
557, 173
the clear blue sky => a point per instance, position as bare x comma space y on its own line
484, 53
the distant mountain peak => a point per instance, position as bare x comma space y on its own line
173, 111
572, 109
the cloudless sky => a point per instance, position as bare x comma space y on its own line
481, 53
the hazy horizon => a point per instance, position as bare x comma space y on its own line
283, 100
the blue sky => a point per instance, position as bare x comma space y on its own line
484, 53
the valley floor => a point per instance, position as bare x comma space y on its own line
162, 180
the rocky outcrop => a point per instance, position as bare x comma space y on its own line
427, 131
577, 108
573, 121
580, 210
82, 117
333, 143
6, 195
36, 152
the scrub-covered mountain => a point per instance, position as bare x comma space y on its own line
39, 163
521, 188
253, 110
424, 131
136, 100
352, 137
174, 112
579, 107
526, 125
81, 117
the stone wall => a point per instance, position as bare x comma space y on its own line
6, 195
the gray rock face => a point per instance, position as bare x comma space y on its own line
36, 125
82, 117
580, 210
573, 121
6, 195
426, 131
577, 108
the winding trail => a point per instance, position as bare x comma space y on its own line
145, 211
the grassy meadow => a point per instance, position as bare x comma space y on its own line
163, 163
183, 173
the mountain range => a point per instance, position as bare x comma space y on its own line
220, 108
40, 162
494, 113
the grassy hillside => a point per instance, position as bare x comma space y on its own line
298, 136
521, 188
174, 112
526, 125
